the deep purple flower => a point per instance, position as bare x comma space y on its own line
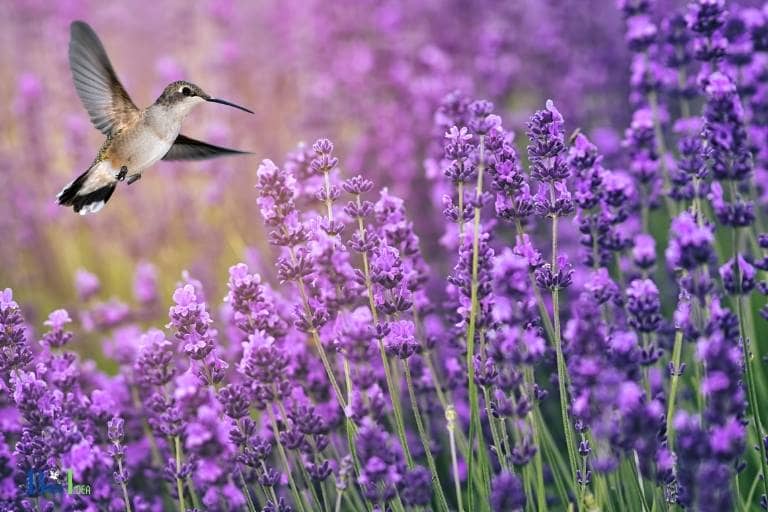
738, 278
634, 7
416, 488
706, 16
14, 349
381, 467
690, 244
644, 251
601, 286
401, 340
507, 493
547, 145
553, 200
386, 267
641, 32
280, 506
735, 213
725, 129
265, 363
558, 278
644, 305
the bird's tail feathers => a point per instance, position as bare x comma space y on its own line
90, 191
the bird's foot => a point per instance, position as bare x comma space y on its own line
133, 178
121, 175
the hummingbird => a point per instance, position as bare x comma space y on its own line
135, 138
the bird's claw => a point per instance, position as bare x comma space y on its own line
121, 175
133, 178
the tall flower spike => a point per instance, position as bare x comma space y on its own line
547, 145
14, 348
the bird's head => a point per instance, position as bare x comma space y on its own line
182, 96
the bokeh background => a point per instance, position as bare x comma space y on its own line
367, 74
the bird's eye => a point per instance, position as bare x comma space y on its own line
186, 91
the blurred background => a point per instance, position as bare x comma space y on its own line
367, 74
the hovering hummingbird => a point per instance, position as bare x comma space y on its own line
136, 138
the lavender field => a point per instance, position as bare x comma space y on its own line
485, 256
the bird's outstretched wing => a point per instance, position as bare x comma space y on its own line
102, 94
185, 148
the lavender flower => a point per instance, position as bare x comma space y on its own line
507, 493
86, 284
643, 305
381, 468
57, 337
15, 351
348, 350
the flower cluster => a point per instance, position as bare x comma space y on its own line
579, 330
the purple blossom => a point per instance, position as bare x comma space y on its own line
57, 337
86, 284
738, 277
690, 244
644, 305
401, 340
547, 144
507, 493
644, 251
302, 334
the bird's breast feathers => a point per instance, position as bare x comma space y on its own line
140, 147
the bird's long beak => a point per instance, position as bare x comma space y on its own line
225, 102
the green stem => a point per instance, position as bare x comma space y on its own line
548, 327
247, 493
316, 338
475, 428
752, 394
272, 492
307, 480
328, 368
339, 494
562, 371
444, 400
676, 352
195, 498
494, 430
179, 483
556, 463
441, 501
122, 484
640, 485
284, 459
748, 369
396, 407
541, 497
